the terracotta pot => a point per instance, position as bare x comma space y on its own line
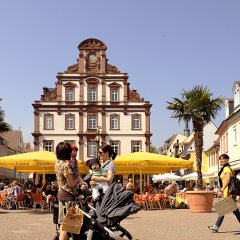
200, 201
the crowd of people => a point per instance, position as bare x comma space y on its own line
12, 190
69, 184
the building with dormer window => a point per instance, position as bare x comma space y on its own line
92, 100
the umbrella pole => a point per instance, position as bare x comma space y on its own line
133, 180
141, 179
44, 177
14, 173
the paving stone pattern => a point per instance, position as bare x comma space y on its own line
178, 224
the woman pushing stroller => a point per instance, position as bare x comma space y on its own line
67, 183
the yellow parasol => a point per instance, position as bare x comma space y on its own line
38, 161
148, 163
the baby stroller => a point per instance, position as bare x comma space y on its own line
104, 223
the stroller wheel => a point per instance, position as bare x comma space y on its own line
123, 233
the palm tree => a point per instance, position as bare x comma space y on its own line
198, 106
4, 127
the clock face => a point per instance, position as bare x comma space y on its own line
92, 57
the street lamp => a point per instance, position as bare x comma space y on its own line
97, 139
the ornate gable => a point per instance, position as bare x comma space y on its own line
112, 69
134, 96
92, 80
69, 84
72, 69
49, 94
114, 85
92, 43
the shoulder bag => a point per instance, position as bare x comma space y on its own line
234, 186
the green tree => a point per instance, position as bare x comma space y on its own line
4, 127
153, 149
198, 106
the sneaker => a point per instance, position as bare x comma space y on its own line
214, 229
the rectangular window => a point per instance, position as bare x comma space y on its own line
48, 121
92, 94
92, 122
114, 124
136, 123
234, 136
48, 145
136, 146
92, 148
69, 94
114, 95
115, 146
69, 121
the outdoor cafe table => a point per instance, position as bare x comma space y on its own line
180, 199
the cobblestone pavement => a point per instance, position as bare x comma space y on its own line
178, 224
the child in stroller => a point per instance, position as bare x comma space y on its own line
100, 188
104, 223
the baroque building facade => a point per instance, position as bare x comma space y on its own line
92, 104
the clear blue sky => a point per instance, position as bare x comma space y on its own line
164, 46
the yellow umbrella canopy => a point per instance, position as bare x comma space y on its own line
38, 161
148, 163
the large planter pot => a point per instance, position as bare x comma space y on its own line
200, 201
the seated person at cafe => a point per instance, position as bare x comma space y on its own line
47, 193
129, 185
171, 191
54, 188
14, 191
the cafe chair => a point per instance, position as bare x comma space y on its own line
37, 200
141, 201
19, 201
155, 201
3, 199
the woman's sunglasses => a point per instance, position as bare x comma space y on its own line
100, 153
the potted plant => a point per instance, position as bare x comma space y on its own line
198, 106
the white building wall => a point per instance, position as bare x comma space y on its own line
234, 138
59, 123
209, 135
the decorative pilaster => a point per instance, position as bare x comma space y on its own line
103, 112
81, 93
103, 82
81, 62
103, 63
80, 127
126, 87
59, 90
81, 148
